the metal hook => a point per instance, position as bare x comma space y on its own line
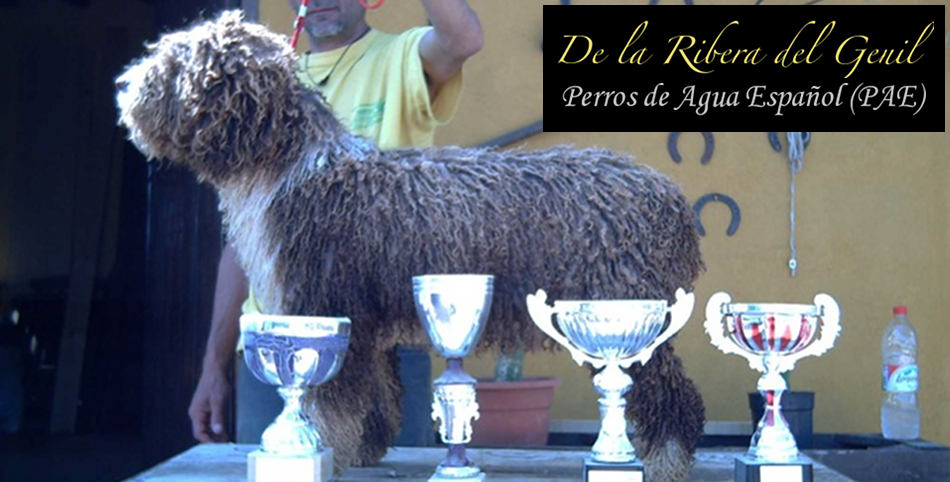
728, 201
777, 146
673, 147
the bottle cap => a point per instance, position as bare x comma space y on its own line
900, 310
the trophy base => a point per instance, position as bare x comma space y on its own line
475, 478
265, 467
750, 469
612, 472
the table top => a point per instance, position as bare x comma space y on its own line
228, 463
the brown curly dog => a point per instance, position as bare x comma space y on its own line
326, 224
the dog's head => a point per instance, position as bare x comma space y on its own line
220, 97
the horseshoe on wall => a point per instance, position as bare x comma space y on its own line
673, 146
728, 201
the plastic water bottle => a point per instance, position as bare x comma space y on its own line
900, 416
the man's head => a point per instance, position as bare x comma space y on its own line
332, 23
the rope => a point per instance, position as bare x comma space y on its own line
796, 151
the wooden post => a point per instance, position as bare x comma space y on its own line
251, 10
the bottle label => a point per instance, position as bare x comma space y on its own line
900, 378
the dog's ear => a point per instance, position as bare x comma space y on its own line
240, 97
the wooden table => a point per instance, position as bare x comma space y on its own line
228, 463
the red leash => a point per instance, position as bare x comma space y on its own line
298, 23
374, 6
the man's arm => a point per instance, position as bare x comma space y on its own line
456, 36
207, 408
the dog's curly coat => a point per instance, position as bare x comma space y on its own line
326, 224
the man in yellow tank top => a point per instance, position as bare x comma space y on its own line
393, 89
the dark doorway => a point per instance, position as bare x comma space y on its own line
91, 232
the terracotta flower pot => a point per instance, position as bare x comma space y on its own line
514, 414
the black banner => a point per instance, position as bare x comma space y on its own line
623, 68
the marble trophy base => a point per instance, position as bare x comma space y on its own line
750, 469
265, 467
612, 472
475, 478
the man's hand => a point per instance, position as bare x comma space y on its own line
211, 395
207, 406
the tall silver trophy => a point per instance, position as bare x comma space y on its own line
772, 337
611, 334
453, 309
292, 353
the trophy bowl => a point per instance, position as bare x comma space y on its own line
453, 309
772, 337
292, 353
611, 329
611, 334
772, 329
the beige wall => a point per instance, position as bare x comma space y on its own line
873, 231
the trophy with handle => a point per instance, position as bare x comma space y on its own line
772, 337
292, 353
453, 309
610, 335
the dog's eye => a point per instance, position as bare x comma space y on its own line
121, 85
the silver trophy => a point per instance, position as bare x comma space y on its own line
611, 334
772, 337
453, 309
292, 353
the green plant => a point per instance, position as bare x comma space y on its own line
508, 365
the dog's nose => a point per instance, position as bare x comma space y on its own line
121, 85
